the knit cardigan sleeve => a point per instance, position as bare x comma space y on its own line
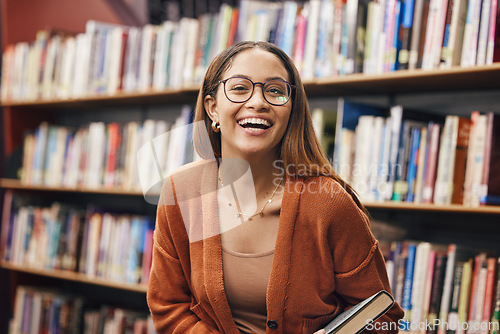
359, 264
173, 308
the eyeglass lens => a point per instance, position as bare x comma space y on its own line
239, 90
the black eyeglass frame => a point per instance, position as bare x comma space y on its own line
292, 89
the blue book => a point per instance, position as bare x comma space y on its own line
396, 45
413, 164
407, 288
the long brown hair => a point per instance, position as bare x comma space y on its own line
299, 146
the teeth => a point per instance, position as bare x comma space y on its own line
254, 121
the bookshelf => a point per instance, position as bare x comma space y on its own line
74, 277
438, 90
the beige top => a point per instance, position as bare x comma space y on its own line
246, 277
247, 256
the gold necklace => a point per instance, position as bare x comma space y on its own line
261, 212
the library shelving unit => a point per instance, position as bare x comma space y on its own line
475, 226
439, 90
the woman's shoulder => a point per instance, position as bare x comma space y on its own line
326, 194
323, 187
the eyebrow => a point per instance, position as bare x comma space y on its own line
248, 77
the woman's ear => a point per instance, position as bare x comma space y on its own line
211, 108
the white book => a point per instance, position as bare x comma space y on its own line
178, 54
311, 39
95, 155
323, 61
132, 55
148, 37
193, 27
95, 223
20, 64
36, 313
362, 157
395, 128
432, 24
70, 178
67, 68
453, 52
7, 73
469, 49
57, 161
115, 61
162, 55
18, 235
445, 169
478, 160
419, 279
372, 25
41, 135
104, 243
263, 22
145, 156
131, 161
178, 140
484, 29
346, 153
81, 71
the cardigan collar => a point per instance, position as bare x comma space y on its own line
212, 251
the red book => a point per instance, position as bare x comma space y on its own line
462, 146
478, 261
233, 26
490, 288
113, 146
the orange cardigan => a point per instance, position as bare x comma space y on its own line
326, 258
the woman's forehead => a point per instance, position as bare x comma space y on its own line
257, 63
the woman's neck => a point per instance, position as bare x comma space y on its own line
266, 174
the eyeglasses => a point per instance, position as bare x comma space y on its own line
276, 92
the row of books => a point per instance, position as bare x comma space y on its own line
323, 37
39, 310
115, 247
445, 288
416, 157
100, 155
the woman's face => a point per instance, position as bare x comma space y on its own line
253, 128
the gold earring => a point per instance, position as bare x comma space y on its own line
215, 126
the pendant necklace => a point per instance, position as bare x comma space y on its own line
259, 213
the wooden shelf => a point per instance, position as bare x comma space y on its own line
75, 277
398, 82
171, 95
17, 185
433, 207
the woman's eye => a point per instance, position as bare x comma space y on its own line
240, 88
275, 90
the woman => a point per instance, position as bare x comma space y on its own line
265, 238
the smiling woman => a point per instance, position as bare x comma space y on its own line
265, 238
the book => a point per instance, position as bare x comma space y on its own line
355, 319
